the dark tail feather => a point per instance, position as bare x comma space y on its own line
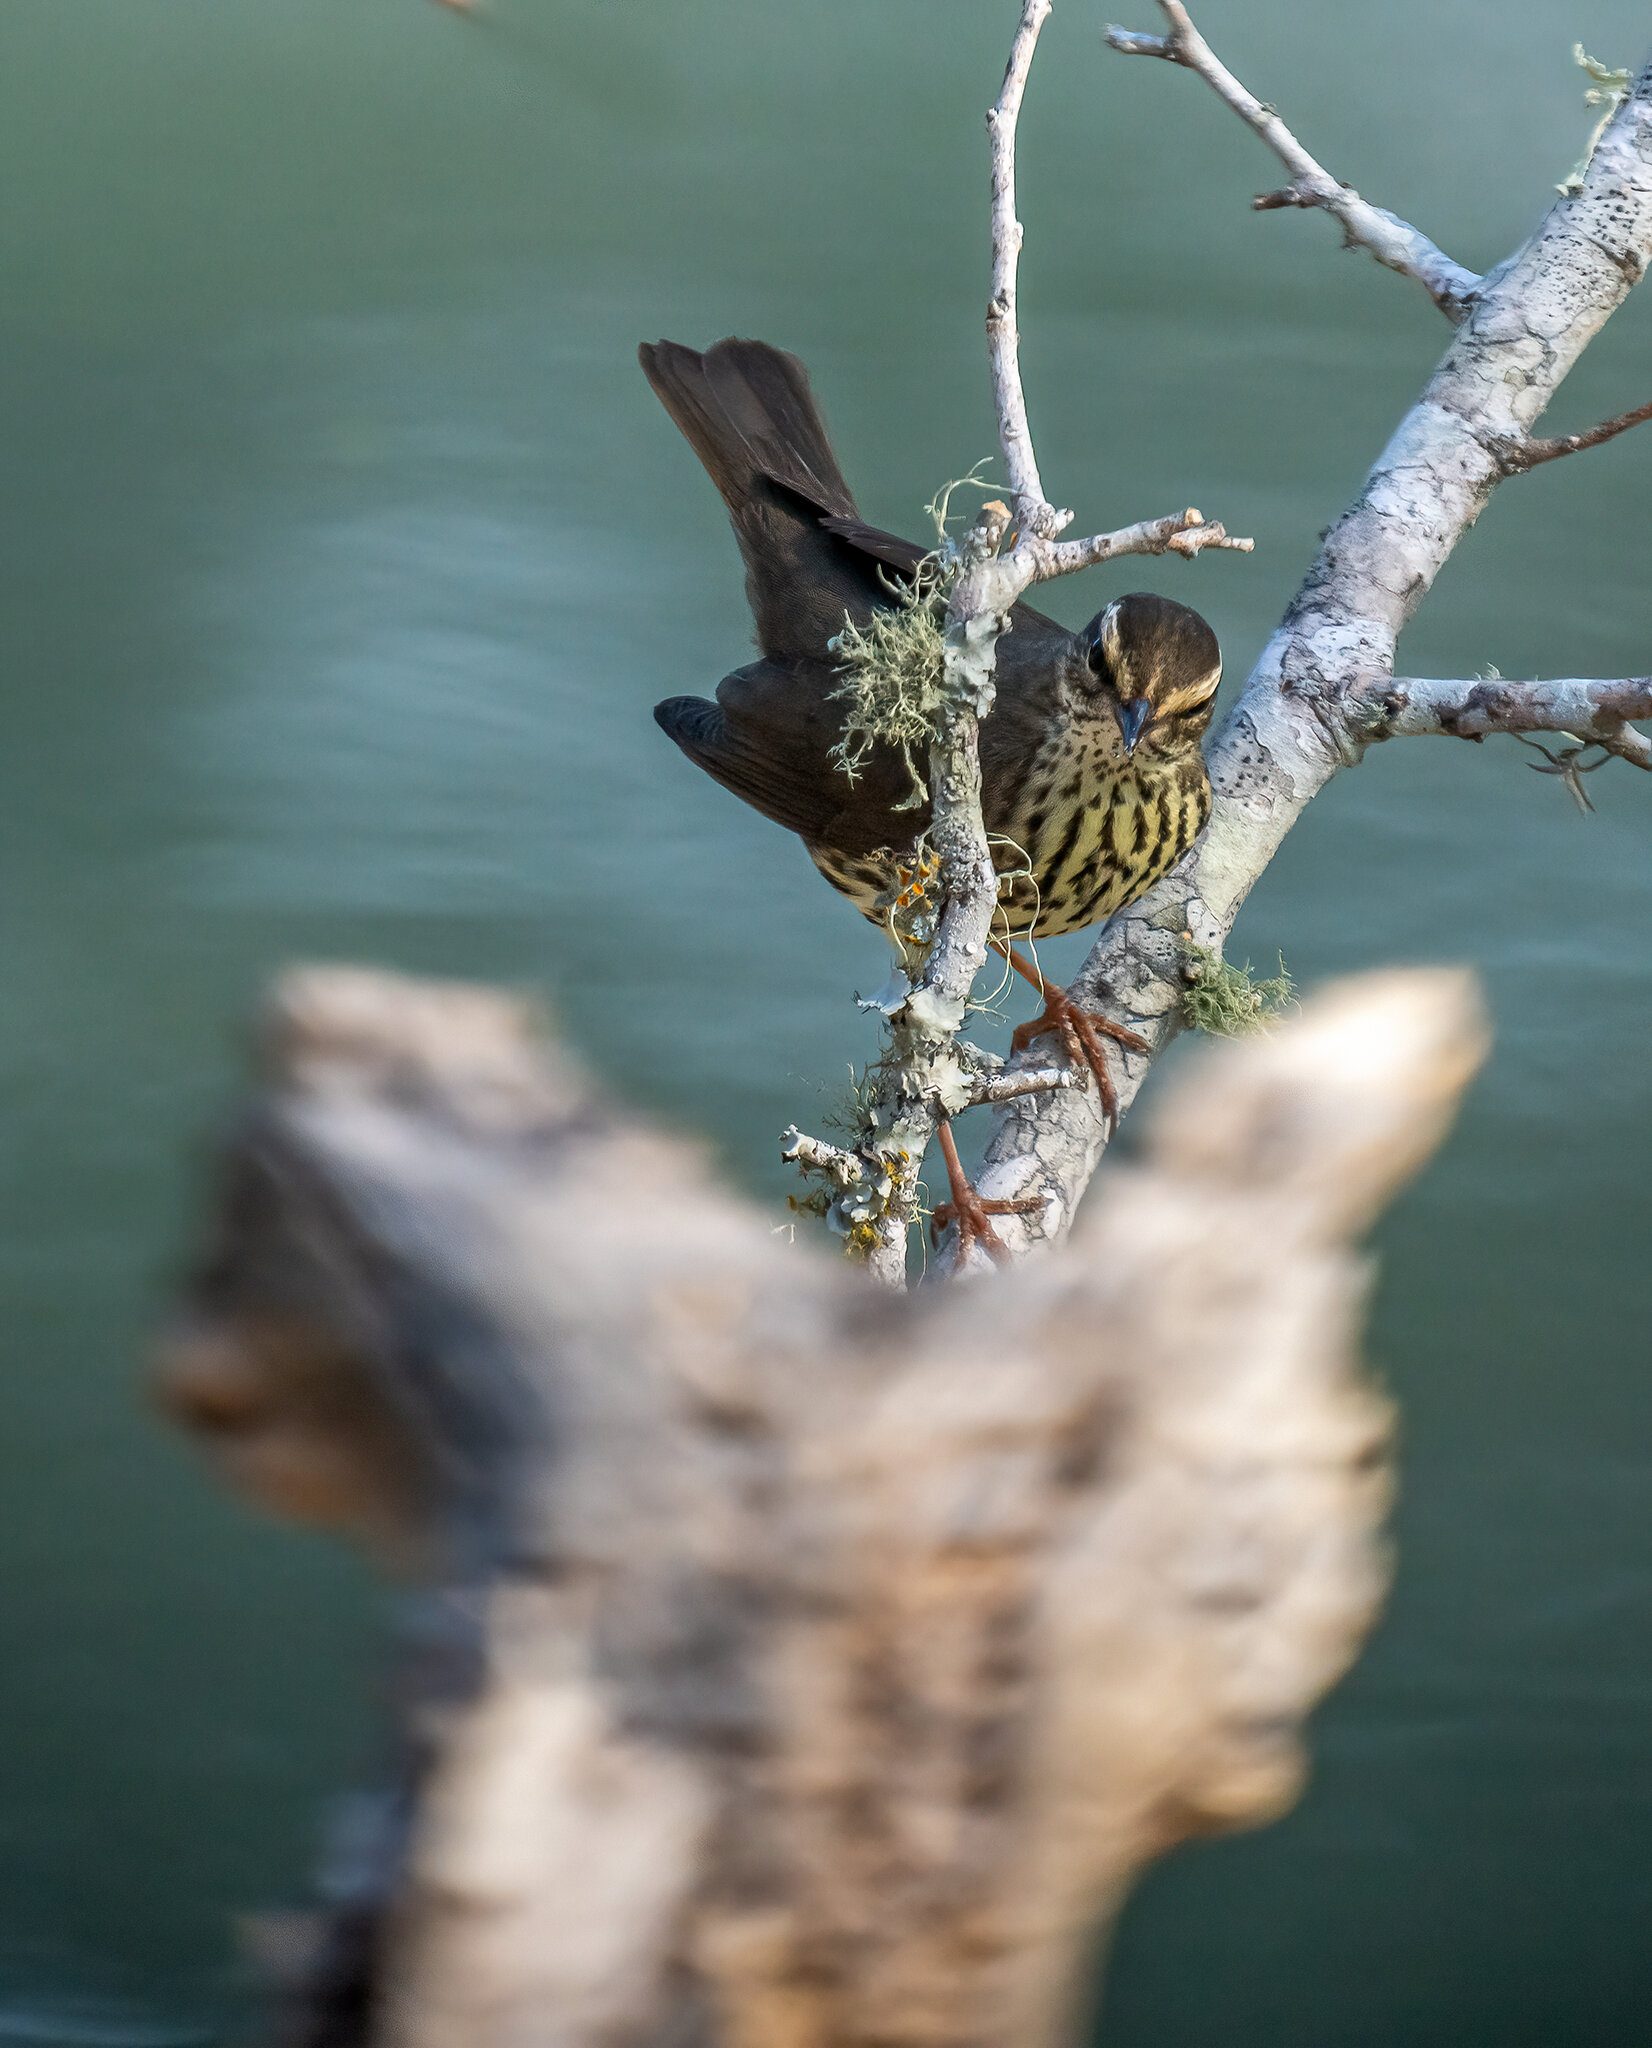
748, 413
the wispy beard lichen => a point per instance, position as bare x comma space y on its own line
1608, 90
894, 672
894, 667
1225, 1000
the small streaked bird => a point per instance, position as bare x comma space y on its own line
1092, 779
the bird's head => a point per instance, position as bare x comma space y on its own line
1156, 665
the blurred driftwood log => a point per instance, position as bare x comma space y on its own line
782, 1663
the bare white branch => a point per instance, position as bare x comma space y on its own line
815, 1155
1027, 1081
1033, 511
1588, 709
1393, 242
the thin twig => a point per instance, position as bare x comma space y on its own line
1033, 510
1131, 42
1521, 455
815, 1154
1393, 242
1186, 533
1027, 1081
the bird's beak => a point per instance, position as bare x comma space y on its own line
1134, 718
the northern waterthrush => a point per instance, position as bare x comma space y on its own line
1092, 779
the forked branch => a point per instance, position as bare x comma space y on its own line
1393, 242
1034, 554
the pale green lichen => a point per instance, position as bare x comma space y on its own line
1225, 1000
894, 667
894, 671
1608, 91
848, 1113
897, 669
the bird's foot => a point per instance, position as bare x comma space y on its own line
971, 1214
968, 1211
1082, 1032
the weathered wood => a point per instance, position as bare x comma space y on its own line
783, 1663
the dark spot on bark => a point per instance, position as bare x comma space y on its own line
990, 1755
1229, 1599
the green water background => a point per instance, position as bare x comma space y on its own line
344, 554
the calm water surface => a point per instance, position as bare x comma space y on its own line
345, 554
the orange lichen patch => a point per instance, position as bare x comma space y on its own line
912, 884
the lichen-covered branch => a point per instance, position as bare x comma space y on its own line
1306, 710
777, 1661
816, 1156
1393, 242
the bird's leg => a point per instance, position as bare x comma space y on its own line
1081, 1031
967, 1209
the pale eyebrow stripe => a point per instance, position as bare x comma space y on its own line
1199, 691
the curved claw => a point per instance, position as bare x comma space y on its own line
1082, 1033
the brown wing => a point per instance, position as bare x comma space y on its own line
769, 739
